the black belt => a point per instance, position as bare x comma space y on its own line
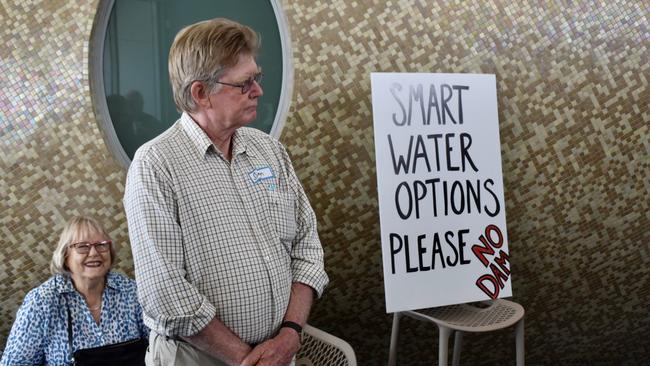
180, 339
174, 338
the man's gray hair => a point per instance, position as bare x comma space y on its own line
202, 51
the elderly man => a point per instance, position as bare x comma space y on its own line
226, 253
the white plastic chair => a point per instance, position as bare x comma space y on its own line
319, 348
484, 317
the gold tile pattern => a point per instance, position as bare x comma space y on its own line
572, 80
54, 161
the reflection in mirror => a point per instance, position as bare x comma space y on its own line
136, 47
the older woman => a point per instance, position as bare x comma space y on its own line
83, 306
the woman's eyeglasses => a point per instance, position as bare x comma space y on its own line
247, 84
84, 247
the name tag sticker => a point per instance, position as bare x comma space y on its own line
261, 174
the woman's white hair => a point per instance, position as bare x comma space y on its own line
76, 229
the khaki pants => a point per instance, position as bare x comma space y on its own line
168, 352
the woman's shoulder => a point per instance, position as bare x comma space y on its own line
49, 291
41, 300
121, 282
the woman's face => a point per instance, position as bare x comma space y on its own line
92, 265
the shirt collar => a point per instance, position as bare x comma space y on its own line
197, 136
202, 142
239, 142
64, 283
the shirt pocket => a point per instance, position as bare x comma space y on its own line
283, 216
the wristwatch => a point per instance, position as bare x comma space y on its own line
292, 325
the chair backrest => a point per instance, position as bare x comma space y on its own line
320, 348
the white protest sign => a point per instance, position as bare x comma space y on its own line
440, 187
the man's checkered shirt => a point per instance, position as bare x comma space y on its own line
217, 238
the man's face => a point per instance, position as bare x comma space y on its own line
231, 108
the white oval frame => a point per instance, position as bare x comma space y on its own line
98, 94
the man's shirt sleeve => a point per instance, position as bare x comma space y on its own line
171, 305
307, 263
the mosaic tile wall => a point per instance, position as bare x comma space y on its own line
53, 159
573, 102
573, 91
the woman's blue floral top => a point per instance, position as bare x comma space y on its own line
39, 335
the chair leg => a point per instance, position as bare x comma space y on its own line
519, 339
443, 345
458, 343
394, 339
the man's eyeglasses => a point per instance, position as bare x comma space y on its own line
84, 247
246, 85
